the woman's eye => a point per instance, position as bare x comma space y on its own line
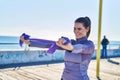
77, 29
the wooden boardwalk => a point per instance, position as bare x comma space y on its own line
109, 70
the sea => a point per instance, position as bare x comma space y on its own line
11, 43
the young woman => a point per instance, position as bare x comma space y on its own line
78, 53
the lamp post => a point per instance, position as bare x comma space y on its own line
99, 39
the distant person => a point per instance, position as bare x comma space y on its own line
104, 43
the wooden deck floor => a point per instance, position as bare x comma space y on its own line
109, 70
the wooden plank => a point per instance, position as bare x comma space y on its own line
108, 70
16, 75
46, 73
6, 77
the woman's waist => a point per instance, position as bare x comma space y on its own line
75, 66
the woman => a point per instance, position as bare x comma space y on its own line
78, 53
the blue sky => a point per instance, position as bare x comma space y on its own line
51, 19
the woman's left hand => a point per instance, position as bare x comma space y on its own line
66, 47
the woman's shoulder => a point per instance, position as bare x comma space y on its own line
90, 42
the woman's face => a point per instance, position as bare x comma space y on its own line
79, 30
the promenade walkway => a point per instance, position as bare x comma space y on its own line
109, 70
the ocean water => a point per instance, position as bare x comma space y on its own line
112, 45
12, 43
9, 43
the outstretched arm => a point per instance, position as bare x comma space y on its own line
41, 43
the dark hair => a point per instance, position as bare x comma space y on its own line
86, 22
